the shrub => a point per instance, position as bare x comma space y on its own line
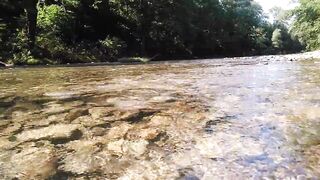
113, 46
55, 19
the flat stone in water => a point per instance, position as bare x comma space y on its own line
123, 147
100, 112
135, 116
119, 131
30, 163
55, 133
147, 133
83, 160
75, 113
11, 129
98, 131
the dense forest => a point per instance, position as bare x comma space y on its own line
75, 31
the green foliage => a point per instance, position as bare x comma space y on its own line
75, 31
306, 25
55, 19
22, 55
277, 39
71, 3
243, 17
113, 46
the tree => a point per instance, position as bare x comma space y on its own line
242, 18
280, 16
31, 12
68, 31
306, 24
277, 39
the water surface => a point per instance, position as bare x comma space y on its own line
210, 119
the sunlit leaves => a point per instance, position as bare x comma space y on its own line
307, 23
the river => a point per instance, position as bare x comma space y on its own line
245, 118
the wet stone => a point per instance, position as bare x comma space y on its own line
161, 120
90, 158
99, 112
12, 129
30, 163
123, 147
82, 160
4, 123
75, 113
137, 115
88, 121
55, 133
46, 121
8, 142
119, 131
76, 103
98, 131
148, 134
53, 108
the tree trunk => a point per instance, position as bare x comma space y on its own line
143, 27
32, 13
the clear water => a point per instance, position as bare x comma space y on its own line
210, 119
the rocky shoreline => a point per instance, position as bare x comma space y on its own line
292, 57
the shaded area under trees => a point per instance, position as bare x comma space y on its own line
75, 31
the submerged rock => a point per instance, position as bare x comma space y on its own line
148, 134
75, 113
7, 142
31, 163
53, 108
82, 160
161, 120
118, 132
116, 147
88, 121
4, 123
99, 112
56, 133
124, 147
135, 148
98, 131
87, 157
45, 121
136, 115
12, 128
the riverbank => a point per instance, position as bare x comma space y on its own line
292, 57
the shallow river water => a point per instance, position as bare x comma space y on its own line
211, 119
